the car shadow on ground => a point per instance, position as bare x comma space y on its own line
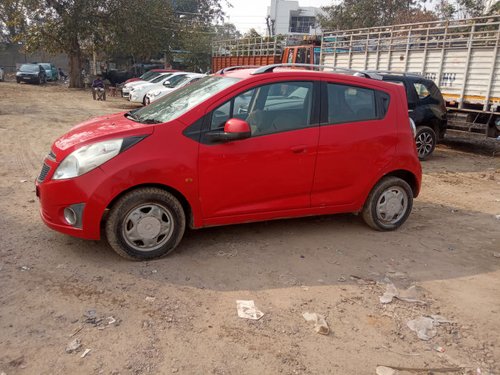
323, 250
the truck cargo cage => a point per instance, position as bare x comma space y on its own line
460, 56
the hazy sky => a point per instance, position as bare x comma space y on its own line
246, 14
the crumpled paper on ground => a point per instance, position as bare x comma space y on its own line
425, 326
407, 295
247, 310
320, 325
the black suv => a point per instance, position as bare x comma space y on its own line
33, 73
426, 107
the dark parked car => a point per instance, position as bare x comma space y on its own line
427, 109
32, 73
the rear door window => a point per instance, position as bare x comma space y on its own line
350, 104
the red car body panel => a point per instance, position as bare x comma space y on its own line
316, 170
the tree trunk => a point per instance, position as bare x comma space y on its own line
75, 65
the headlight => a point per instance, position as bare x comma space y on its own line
86, 158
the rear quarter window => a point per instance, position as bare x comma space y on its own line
351, 104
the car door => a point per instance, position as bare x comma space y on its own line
357, 138
273, 169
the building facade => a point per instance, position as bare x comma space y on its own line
287, 17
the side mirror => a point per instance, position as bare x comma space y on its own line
167, 84
234, 129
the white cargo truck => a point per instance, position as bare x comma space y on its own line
460, 56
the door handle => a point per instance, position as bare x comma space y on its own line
298, 149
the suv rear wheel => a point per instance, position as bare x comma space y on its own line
426, 141
389, 204
146, 223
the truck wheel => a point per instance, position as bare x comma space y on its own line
389, 204
144, 224
426, 142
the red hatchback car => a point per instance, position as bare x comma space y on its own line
238, 146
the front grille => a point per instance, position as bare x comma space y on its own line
43, 173
52, 155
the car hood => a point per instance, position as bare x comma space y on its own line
135, 83
97, 129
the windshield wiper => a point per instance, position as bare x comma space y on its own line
132, 116
150, 121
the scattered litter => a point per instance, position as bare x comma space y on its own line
31, 201
154, 271
496, 255
390, 292
341, 279
73, 346
76, 332
87, 351
91, 317
363, 281
425, 327
383, 370
221, 253
150, 299
25, 268
111, 320
439, 349
440, 319
247, 310
497, 217
23, 181
320, 325
407, 295
428, 370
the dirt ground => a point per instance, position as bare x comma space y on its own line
178, 314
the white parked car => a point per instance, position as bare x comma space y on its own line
2, 74
138, 93
159, 92
128, 86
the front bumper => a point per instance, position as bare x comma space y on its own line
56, 195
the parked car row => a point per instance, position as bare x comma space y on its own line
37, 73
155, 84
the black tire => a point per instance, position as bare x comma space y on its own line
399, 193
18, 80
425, 141
145, 210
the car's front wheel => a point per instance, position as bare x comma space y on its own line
426, 141
389, 204
146, 223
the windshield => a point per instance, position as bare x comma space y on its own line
29, 68
46, 66
182, 100
160, 78
148, 75
153, 76
174, 81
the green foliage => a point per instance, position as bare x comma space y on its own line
12, 19
252, 33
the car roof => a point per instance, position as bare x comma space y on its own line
282, 72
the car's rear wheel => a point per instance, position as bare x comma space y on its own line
146, 223
389, 204
426, 141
